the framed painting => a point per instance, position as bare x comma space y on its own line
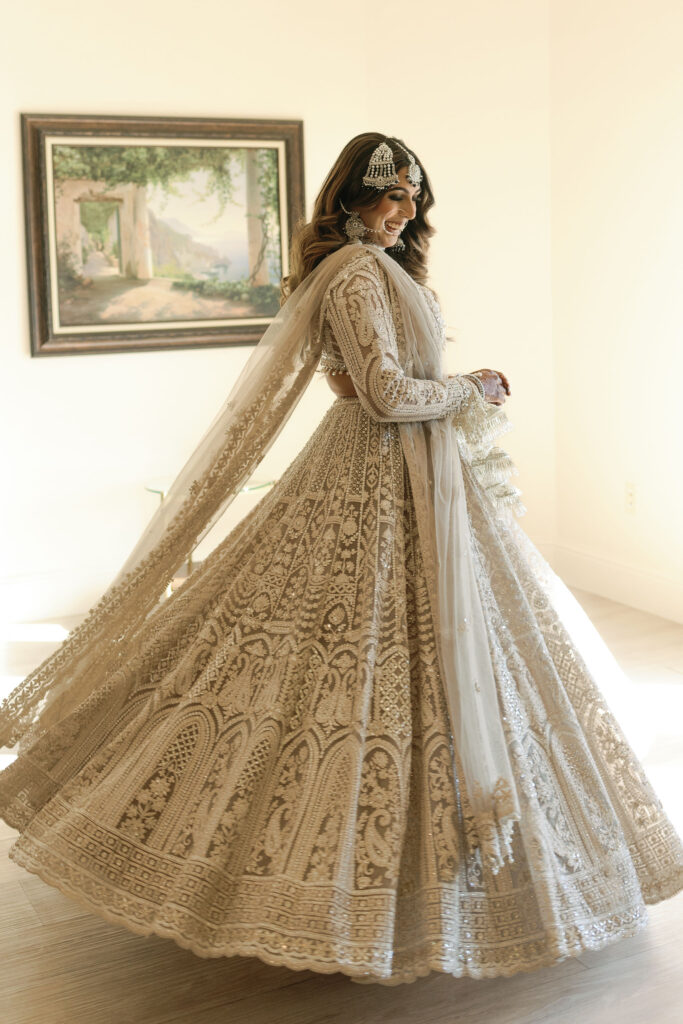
146, 233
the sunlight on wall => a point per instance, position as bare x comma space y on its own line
558, 256
36, 632
617, 230
94, 429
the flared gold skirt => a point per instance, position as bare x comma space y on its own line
272, 772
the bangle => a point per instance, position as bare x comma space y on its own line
478, 382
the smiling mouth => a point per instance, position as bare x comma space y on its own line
393, 229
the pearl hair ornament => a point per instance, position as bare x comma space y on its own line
381, 172
414, 172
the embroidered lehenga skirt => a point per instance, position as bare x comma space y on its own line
272, 774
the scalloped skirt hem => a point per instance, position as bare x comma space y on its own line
560, 946
269, 770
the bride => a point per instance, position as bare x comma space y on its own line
360, 737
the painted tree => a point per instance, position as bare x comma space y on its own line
167, 166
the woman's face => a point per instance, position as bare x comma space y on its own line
393, 211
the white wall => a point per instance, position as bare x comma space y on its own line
467, 88
86, 432
473, 100
617, 258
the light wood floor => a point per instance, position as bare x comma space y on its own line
62, 965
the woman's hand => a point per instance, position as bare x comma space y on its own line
496, 385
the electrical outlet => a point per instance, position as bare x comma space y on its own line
630, 498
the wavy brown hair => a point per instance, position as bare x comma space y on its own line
324, 233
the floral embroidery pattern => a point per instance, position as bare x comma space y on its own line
270, 771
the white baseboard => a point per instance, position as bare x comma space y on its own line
648, 591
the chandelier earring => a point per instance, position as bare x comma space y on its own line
399, 245
354, 228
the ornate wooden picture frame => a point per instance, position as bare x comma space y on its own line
166, 232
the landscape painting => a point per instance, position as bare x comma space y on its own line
163, 241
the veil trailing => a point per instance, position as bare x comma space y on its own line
269, 387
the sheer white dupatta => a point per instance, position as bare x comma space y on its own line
97, 653
275, 376
434, 449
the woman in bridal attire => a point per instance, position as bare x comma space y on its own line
360, 737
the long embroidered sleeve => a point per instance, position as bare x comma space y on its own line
359, 316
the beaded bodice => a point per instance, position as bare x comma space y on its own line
332, 360
362, 334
